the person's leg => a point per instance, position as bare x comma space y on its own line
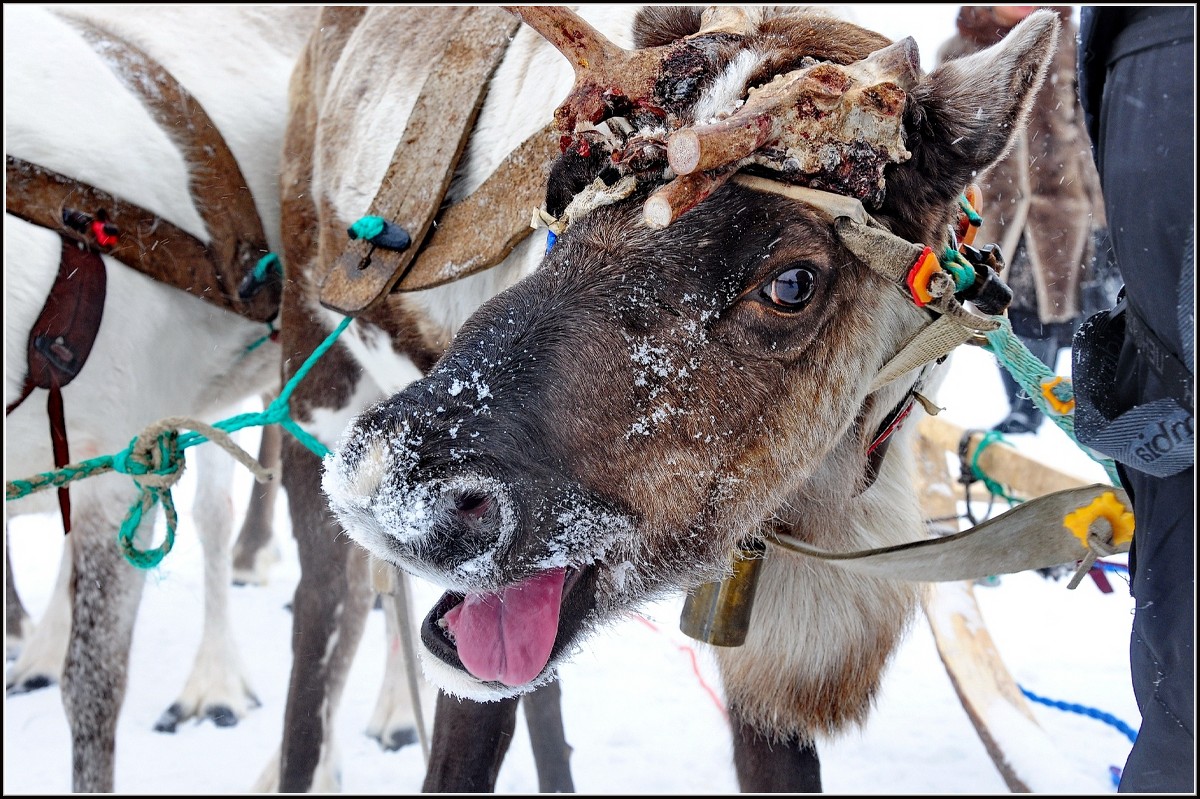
1147, 167
1160, 647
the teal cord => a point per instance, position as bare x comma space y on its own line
1032, 374
267, 263
972, 216
989, 438
169, 447
366, 228
259, 342
954, 263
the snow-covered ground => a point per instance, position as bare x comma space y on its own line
641, 702
638, 702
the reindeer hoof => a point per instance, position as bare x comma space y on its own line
398, 739
29, 684
221, 715
170, 719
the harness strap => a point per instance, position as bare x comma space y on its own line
425, 159
1032, 535
61, 340
480, 231
145, 242
62, 452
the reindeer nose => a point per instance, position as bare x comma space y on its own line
474, 507
470, 504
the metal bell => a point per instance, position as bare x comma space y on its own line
718, 613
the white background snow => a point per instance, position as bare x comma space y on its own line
641, 702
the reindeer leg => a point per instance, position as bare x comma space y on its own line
551, 752
105, 592
328, 615
216, 688
254, 552
470, 740
764, 766
18, 626
40, 663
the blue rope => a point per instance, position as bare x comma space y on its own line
1091, 712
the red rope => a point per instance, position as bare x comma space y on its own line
695, 667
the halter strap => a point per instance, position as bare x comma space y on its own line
896, 260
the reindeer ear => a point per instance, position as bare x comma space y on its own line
974, 105
655, 26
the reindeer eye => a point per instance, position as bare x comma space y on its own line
792, 288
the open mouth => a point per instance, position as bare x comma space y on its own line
511, 635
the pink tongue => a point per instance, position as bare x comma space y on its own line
508, 636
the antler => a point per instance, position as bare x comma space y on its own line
826, 125
835, 126
729, 19
794, 109
603, 70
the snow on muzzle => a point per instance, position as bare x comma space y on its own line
519, 562
452, 529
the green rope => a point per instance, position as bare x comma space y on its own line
167, 450
989, 438
366, 228
1029, 371
954, 263
259, 342
972, 216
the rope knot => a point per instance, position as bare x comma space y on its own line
154, 458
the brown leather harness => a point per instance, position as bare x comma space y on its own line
466, 237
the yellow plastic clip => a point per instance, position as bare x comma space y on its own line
1111, 509
1060, 406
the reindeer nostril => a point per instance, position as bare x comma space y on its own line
472, 504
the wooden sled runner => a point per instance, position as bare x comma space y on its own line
984, 686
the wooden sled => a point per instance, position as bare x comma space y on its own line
988, 693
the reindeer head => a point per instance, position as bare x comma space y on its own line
697, 350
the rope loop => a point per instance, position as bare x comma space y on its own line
154, 460
957, 265
989, 438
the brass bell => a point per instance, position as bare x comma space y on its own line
718, 613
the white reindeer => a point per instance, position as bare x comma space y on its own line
73, 106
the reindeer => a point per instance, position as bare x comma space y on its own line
724, 350
110, 116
